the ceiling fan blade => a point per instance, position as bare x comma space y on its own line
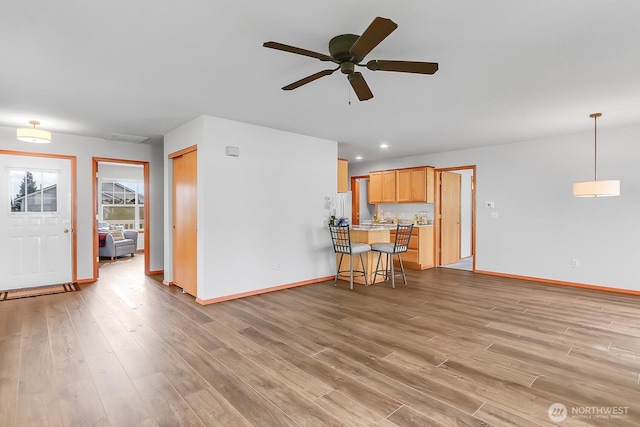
403, 66
297, 50
377, 31
360, 86
309, 79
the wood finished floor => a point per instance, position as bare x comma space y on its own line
452, 348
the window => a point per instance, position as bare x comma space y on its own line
33, 191
122, 204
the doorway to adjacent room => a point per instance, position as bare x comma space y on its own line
455, 219
121, 200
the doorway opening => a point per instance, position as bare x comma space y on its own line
121, 202
361, 210
455, 224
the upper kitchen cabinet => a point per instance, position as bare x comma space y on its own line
343, 176
382, 187
415, 185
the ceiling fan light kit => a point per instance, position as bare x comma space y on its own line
596, 188
38, 136
349, 50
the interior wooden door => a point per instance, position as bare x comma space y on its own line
185, 222
450, 188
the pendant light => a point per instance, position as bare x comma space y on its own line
596, 188
38, 136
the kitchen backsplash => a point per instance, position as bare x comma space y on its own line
406, 210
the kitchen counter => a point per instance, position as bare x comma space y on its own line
384, 227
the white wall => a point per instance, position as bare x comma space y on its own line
265, 207
84, 148
541, 227
121, 171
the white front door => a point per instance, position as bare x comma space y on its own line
35, 231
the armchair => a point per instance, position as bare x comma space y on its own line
115, 243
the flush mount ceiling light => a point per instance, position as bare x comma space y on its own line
38, 136
596, 188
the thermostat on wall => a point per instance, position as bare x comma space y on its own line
232, 151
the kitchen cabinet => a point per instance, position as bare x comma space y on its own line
431, 184
420, 254
343, 176
415, 185
382, 187
408, 185
375, 187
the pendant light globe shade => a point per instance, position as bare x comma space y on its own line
38, 136
596, 188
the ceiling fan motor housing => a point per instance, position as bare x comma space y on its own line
340, 47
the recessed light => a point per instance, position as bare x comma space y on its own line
384, 145
358, 157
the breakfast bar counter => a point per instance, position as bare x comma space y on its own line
368, 235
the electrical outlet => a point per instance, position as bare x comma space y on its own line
278, 265
575, 263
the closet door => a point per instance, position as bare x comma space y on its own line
185, 222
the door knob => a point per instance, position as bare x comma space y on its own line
66, 230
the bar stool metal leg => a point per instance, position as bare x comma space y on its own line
335, 281
402, 268
351, 272
393, 273
366, 283
375, 274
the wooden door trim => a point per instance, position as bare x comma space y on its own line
74, 203
182, 152
436, 223
147, 232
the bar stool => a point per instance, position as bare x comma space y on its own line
342, 244
400, 246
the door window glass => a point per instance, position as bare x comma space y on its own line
33, 191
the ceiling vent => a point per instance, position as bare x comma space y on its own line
112, 136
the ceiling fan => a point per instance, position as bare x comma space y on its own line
349, 50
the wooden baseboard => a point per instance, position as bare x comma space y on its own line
560, 282
156, 272
89, 280
412, 265
262, 291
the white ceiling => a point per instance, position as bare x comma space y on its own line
509, 70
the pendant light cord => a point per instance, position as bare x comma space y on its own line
595, 116
595, 147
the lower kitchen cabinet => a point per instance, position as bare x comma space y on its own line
420, 255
